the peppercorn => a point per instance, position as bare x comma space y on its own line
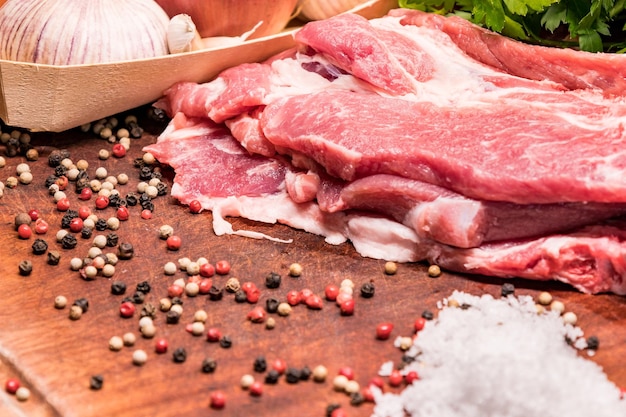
144, 287
22, 218
209, 365
56, 156
507, 289
75, 312
125, 250
145, 173
217, 400
593, 342
215, 293
222, 267
272, 280
270, 323
118, 288
139, 357
391, 268
39, 246
83, 303
330, 408
95, 382
101, 225
383, 331
86, 232
226, 342
272, 377
428, 315
292, 375
161, 189
177, 301
172, 317
260, 364
179, 355
60, 302
112, 240
314, 302
69, 241
356, 398
271, 305
347, 307
241, 296
434, 271
148, 310
25, 267
367, 290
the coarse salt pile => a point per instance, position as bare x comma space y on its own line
499, 358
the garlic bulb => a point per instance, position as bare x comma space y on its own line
323, 9
70, 32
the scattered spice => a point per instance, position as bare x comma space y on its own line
272, 377
507, 289
179, 355
25, 267
75, 312
367, 290
209, 365
391, 268
217, 400
22, 394
39, 246
12, 385
272, 280
140, 357
260, 364
434, 271
226, 342
383, 330
125, 251
96, 382
60, 302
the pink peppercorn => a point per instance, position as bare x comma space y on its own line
253, 295
222, 267
175, 290
304, 294
257, 315
63, 204
85, 194
331, 292
12, 385
41, 226
213, 334
347, 307
102, 202
173, 242
24, 231
339, 412
368, 394
76, 224
118, 150
84, 212
411, 376
343, 297
33, 214
248, 286
377, 382
279, 365
217, 399
207, 269
256, 389
205, 285
395, 378
383, 331
122, 213
195, 206
127, 309
161, 345
314, 302
146, 214
293, 298
347, 372
419, 324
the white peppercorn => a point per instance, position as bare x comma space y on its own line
26, 178
200, 316
99, 241
116, 343
140, 357
60, 302
122, 179
113, 223
170, 268
21, 168
22, 394
59, 195
76, 264
177, 308
129, 339
108, 270
94, 251
101, 173
148, 158
166, 231
197, 328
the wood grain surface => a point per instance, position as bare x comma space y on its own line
55, 357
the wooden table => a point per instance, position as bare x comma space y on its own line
55, 357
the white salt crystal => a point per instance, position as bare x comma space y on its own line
499, 358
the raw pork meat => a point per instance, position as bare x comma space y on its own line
397, 135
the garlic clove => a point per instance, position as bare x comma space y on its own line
182, 35
222, 41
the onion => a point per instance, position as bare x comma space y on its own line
233, 17
323, 9
69, 32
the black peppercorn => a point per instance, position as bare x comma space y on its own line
67, 218
215, 293
240, 296
427, 314
22, 218
209, 365
56, 156
356, 399
82, 303
101, 225
131, 200
367, 290
69, 241
292, 375
95, 382
148, 310
507, 289
226, 342
147, 205
138, 297
172, 317
272, 280
179, 355
145, 173
86, 232
60, 171
52, 179
135, 130
144, 287
39, 247
593, 342
127, 299
114, 200
161, 189
112, 240
271, 305
54, 257
272, 377
125, 251
305, 373
260, 364
25, 267
118, 288
330, 408
82, 183
177, 301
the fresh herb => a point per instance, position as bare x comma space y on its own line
594, 26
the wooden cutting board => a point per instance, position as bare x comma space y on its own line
55, 357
